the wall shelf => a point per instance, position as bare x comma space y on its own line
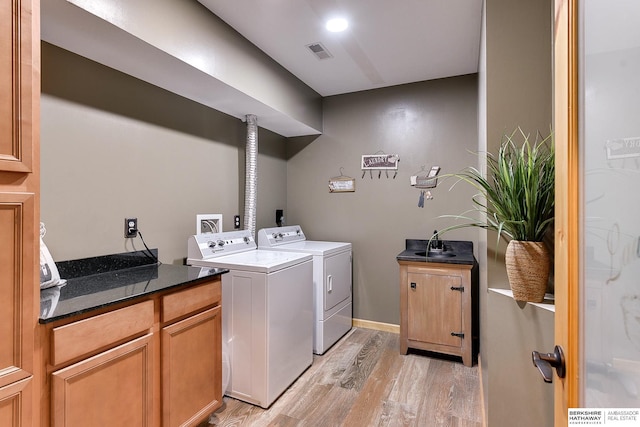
547, 304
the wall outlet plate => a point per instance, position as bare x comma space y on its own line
130, 227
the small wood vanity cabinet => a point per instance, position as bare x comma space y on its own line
154, 361
438, 308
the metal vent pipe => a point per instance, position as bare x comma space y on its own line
251, 174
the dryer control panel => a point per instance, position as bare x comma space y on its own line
275, 236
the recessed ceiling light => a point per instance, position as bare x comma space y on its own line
337, 24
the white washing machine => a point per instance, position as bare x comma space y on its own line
267, 312
332, 280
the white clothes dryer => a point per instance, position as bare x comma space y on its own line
332, 280
267, 312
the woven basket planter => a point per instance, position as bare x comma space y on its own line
528, 266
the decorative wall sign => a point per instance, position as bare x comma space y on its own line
380, 161
342, 184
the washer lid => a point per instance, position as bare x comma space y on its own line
313, 247
258, 261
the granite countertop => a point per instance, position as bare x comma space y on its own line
98, 282
463, 251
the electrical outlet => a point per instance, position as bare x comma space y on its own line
236, 222
130, 227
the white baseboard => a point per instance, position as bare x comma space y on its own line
378, 326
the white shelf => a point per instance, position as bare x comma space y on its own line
547, 304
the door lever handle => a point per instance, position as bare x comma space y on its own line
546, 361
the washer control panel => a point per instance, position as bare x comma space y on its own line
209, 245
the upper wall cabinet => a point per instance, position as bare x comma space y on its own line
16, 87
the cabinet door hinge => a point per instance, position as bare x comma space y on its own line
457, 334
457, 288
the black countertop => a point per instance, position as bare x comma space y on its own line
463, 251
98, 282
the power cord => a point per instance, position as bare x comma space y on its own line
149, 252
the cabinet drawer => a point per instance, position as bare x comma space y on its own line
191, 300
82, 337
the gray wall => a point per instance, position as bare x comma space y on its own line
517, 81
518, 395
426, 124
113, 146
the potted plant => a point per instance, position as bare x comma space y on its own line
516, 200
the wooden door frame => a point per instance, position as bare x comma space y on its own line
567, 206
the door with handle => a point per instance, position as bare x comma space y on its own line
337, 281
545, 362
597, 233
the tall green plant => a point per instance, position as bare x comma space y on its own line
516, 199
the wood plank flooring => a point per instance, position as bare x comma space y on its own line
363, 380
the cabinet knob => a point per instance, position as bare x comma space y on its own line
413, 285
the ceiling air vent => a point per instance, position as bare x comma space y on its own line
319, 51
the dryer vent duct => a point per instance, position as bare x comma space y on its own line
251, 174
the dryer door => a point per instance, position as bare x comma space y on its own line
337, 279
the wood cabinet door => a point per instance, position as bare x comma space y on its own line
113, 388
13, 403
192, 368
19, 89
19, 214
434, 309
16, 284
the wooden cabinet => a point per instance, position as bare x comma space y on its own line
434, 308
191, 355
438, 308
19, 85
107, 383
191, 368
19, 210
113, 388
154, 361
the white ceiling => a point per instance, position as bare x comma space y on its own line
388, 42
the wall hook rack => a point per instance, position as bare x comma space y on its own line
380, 162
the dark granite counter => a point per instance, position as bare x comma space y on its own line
98, 282
462, 250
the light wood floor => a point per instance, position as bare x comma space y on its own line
363, 380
